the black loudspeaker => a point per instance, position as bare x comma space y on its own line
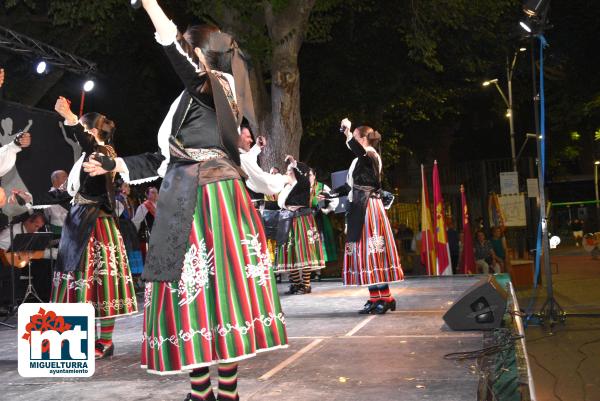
481, 307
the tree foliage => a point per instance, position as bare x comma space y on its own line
410, 68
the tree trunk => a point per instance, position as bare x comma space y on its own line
262, 102
286, 123
286, 30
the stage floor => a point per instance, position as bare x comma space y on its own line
335, 354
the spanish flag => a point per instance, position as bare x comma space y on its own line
427, 245
467, 262
442, 250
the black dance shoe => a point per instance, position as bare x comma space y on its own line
368, 308
293, 289
211, 397
383, 306
305, 289
103, 351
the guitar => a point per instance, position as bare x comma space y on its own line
21, 259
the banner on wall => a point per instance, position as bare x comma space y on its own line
513, 209
509, 183
51, 149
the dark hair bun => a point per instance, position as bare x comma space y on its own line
374, 135
303, 168
374, 138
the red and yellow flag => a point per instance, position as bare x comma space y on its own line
427, 244
442, 250
467, 262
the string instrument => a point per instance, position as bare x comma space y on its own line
21, 259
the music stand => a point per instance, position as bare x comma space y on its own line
30, 242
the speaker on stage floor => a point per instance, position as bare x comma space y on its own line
481, 307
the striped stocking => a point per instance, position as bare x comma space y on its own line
384, 291
306, 278
228, 382
374, 294
201, 387
295, 277
106, 331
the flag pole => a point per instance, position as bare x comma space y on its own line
424, 211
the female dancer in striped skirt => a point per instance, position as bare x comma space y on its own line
92, 264
371, 257
299, 249
211, 298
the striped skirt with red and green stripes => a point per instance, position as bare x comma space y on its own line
303, 250
374, 258
225, 307
105, 280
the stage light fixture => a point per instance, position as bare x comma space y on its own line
41, 67
491, 81
534, 8
522, 49
525, 26
88, 86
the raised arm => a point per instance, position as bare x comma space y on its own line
72, 125
162, 23
189, 72
354, 146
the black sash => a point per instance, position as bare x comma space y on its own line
284, 225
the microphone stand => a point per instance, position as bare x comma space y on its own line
52, 259
30, 288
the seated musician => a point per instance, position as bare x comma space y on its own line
33, 223
40, 260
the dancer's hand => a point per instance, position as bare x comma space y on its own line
23, 139
345, 126
1, 77
261, 141
290, 159
2, 197
63, 107
324, 196
24, 195
95, 167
